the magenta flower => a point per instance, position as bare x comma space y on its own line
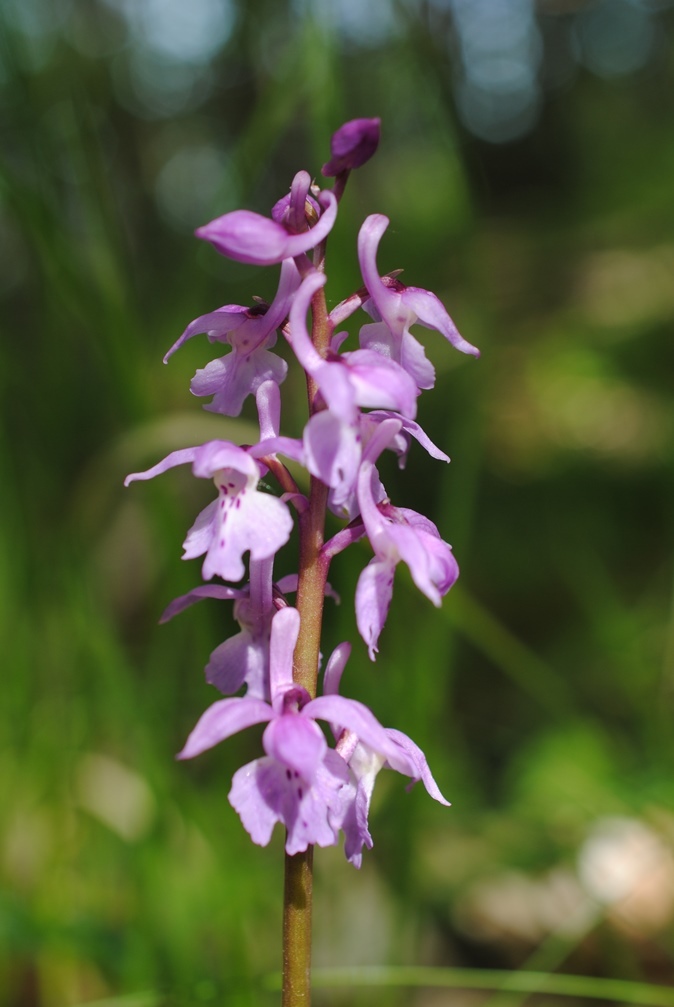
352, 145
240, 520
396, 307
300, 782
250, 237
344, 502
365, 763
244, 657
396, 534
346, 382
250, 332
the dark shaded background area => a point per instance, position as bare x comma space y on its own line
527, 166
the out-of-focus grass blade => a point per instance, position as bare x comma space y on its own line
618, 990
508, 653
148, 998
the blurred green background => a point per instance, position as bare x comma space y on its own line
527, 166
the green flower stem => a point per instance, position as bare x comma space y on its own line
313, 572
311, 588
297, 894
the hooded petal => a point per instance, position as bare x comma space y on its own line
332, 451
380, 382
332, 675
285, 628
215, 455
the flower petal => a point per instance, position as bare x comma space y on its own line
297, 742
332, 451
262, 794
217, 324
249, 237
431, 312
418, 759
362, 722
223, 719
175, 458
241, 658
373, 599
250, 522
285, 628
198, 594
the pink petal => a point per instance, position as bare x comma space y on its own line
223, 719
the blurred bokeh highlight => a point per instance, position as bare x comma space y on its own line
527, 166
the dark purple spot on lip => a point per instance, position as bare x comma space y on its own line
238, 503
288, 774
222, 543
300, 793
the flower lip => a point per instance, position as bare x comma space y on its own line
352, 145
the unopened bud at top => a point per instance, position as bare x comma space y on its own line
353, 144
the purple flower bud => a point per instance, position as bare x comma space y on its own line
352, 145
